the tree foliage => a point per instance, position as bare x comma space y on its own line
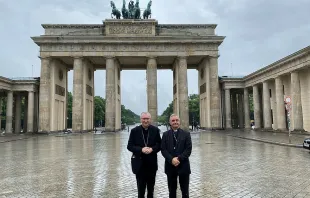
193, 108
128, 117
193, 104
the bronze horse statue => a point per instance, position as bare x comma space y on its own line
147, 12
137, 14
115, 11
125, 12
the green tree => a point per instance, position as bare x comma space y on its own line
69, 110
164, 117
193, 108
99, 111
129, 117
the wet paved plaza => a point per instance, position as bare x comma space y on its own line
91, 165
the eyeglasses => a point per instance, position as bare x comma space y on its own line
175, 120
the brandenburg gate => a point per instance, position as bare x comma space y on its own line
123, 44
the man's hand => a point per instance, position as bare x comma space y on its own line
175, 161
147, 150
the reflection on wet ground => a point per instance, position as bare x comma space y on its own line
98, 165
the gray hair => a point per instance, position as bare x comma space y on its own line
172, 115
147, 113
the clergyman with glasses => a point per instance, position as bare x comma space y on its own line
144, 142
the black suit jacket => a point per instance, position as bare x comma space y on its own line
135, 145
183, 148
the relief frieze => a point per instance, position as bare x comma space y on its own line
127, 47
130, 29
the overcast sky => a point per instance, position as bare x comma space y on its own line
258, 32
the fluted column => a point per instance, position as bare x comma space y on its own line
9, 113
77, 103
267, 107
0, 114
44, 97
257, 107
110, 95
281, 121
18, 103
30, 112
36, 105
25, 115
297, 120
151, 73
240, 111
215, 103
247, 120
183, 92
227, 109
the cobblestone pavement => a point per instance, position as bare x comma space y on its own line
88, 165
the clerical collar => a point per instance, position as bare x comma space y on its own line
175, 130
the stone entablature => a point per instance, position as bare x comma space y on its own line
293, 62
25, 84
133, 27
119, 38
232, 83
296, 61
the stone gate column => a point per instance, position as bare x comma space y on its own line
227, 109
215, 104
247, 120
281, 121
0, 114
267, 107
234, 109
30, 113
118, 111
18, 112
240, 111
9, 113
77, 103
110, 95
44, 97
257, 107
297, 120
151, 73
25, 129
36, 105
183, 92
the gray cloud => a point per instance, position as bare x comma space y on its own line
257, 33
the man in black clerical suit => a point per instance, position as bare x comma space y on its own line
144, 143
176, 147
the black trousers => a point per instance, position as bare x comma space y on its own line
146, 179
173, 185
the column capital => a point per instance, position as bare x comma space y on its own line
215, 57
77, 57
110, 57
45, 57
152, 57
181, 57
